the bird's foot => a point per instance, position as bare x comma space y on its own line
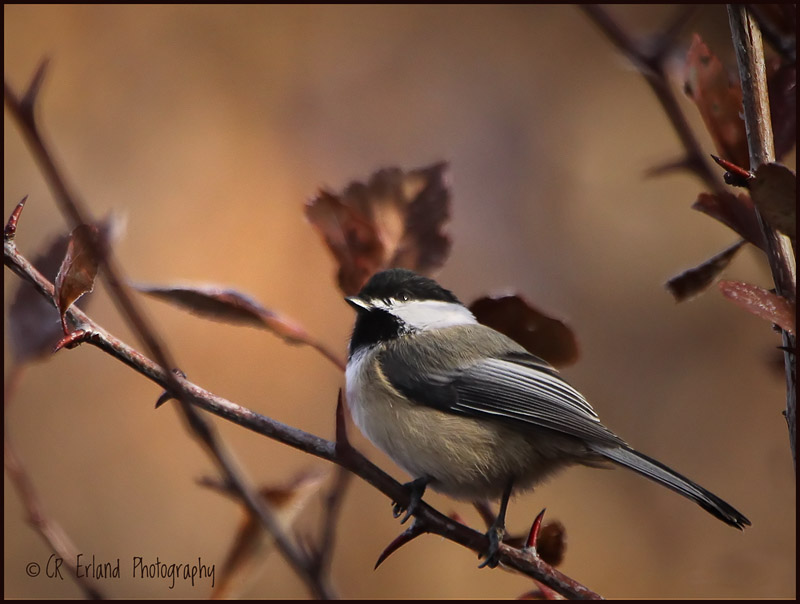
415, 488
495, 536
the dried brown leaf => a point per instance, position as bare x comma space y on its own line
541, 335
696, 280
78, 269
424, 246
395, 220
719, 101
227, 305
33, 321
735, 211
760, 302
774, 192
552, 543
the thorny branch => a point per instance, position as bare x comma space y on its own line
23, 109
23, 112
650, 61
755, 100
340, 453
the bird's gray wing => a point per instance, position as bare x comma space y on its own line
513, 386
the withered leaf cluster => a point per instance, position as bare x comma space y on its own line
395, 219
772, 188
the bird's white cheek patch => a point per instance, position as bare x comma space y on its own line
433, 314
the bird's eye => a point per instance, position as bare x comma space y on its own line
404, 296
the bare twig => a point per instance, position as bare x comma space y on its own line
431, 520
49, 529
23, 111
755, 99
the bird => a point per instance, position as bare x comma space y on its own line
469, 412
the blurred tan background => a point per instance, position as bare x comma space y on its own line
211, 126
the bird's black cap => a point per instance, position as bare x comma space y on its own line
403, 284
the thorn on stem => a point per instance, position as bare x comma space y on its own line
734, 175
675, 165
411, 533
166, 395
342, 441
11, 226
221, 486
72, 339
533, 536
28, 100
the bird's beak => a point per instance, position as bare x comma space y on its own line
358, 303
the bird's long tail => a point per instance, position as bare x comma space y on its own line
658, 472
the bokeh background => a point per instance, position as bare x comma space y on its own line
209, 127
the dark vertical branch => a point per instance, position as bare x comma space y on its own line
755, 99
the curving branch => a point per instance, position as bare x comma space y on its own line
341, 453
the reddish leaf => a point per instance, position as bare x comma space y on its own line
735, 211
78, 270
543, 336
227, 305
782, 86
696, 280
774, 192
33, 320
761, 303
718, 100
395, 220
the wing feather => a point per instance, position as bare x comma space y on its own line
514, 387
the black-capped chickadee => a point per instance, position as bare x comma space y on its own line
468, 411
